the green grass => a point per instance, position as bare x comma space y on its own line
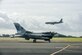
53, 39
4, 39
67, 39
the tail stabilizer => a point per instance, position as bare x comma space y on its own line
61, 21
19, 28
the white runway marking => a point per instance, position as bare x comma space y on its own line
60, 50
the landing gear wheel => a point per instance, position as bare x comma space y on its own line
34, 41
49, 40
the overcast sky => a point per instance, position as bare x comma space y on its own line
32, 15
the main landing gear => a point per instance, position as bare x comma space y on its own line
49, 40
34, 41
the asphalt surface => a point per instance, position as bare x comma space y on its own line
74, 49
25, 48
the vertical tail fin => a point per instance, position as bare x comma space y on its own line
61, 21
19, 28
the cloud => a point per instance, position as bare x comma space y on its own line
4, 16
5, 21
32, 14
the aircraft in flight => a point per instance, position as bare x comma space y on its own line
31, 35
52, 23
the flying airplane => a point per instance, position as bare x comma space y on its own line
52, 23
31, 35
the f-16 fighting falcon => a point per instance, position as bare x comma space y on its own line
31, 35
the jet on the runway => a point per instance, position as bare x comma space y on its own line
31, 35
52, 23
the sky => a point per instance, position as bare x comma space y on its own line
32, 15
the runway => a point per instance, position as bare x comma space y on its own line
26, 48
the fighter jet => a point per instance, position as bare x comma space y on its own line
31, 35
52, 23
